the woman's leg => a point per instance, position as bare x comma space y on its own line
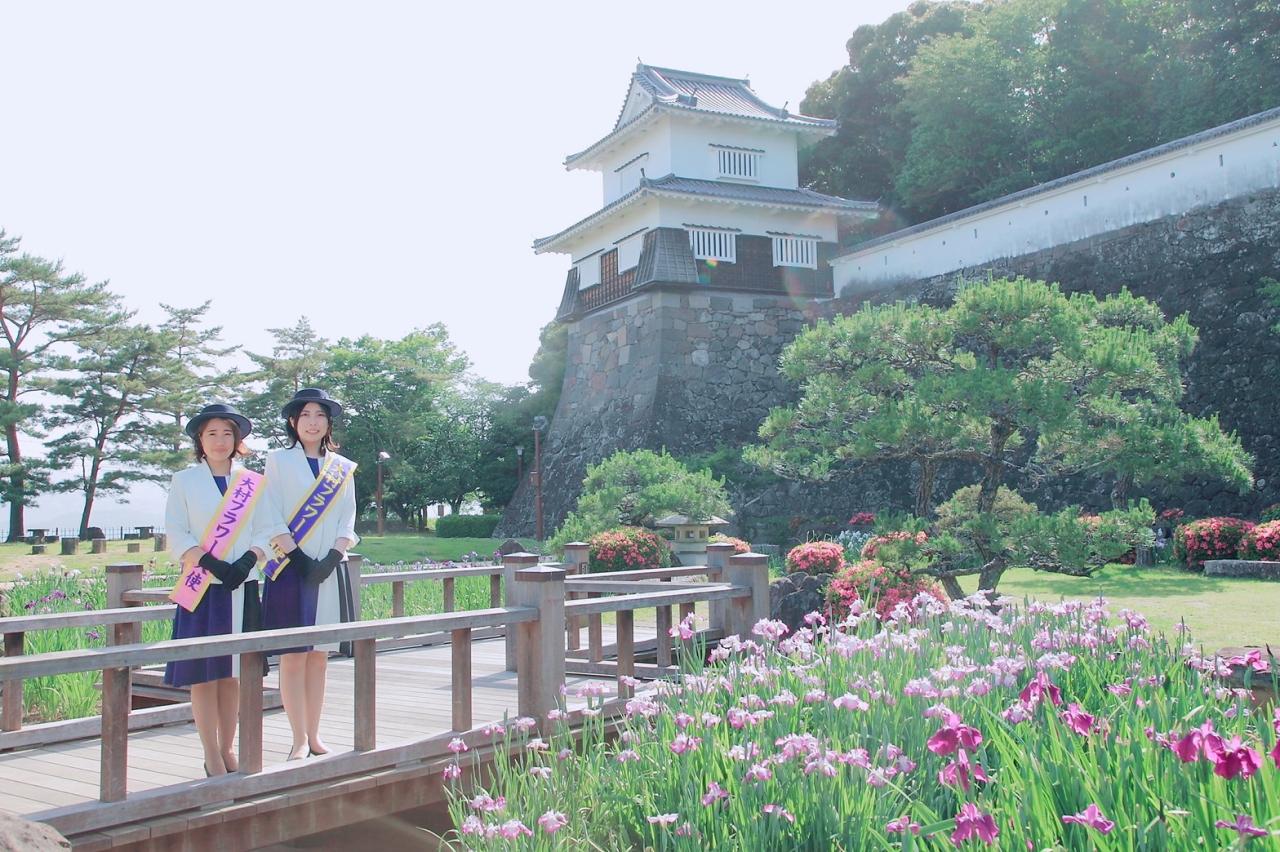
204, 708
293, 692
317, 668
228, 713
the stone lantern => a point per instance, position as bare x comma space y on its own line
689, 537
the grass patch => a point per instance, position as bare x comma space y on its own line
407, 547
1221, 611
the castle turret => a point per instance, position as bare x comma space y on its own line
703, 262
701, 189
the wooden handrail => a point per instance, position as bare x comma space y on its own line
648, 574
115, 656
146, 596
632, 602
627, 586
87, 618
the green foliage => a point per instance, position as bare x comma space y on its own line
637, 488
946, 105
1067, 542
1271, 513
626, 549
1270, 288
466, 526
1014, 377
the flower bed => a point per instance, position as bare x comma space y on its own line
1208, 538
816, 557
1057, 727
626, 549
882, 588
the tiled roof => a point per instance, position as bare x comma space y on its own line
688, 91
734, 193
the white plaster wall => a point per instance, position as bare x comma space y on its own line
1209, 172
693, 157
653, 139
640, 214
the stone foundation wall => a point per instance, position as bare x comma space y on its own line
696, 370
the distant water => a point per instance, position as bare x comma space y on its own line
142, 506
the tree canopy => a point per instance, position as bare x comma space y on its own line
1014, 382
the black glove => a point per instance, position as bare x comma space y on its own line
222, 570
242, 567
301, 562
322, 568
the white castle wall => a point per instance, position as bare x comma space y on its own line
1207, 168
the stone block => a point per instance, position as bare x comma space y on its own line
1258, 569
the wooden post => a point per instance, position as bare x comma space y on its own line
37, 549
366, 697
98, 545
511, 563
664, 632
595, 634
541, 643
450, 594
131, 547
162, 542
626, 629
355, 565
397, 599
717, 564
750, 570
69, 545
114, 764
575, 563
251, 713
461, 676
123, 577
495, 590
11, 714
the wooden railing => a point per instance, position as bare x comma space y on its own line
539, 619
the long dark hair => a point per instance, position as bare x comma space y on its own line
326, 443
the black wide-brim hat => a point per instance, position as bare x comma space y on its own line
222, 411
316, 395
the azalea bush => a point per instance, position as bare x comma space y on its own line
627, 549
1208, 538
739, 546
879, 587
1262, 542
1053, 727
816, 557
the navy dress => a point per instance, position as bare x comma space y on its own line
213, 616
288, 600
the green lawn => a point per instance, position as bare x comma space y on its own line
404, 547
1220, 612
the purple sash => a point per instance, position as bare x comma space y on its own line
328, 485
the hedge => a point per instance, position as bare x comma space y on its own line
466, 526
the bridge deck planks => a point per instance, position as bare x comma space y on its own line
414, 701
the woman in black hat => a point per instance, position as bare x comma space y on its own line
216, 562
307, 579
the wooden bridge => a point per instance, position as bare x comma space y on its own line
411, 684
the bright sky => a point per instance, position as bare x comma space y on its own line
376, 166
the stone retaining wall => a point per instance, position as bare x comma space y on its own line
1242, 568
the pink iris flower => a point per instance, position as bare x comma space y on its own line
1093, 818
1243, 826
714, 794
1039, 688
957, 772
779, 811
902, 825
1077, 720
972, 822
552, 821
1237, 759
954, 735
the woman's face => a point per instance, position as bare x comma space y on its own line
312, 423
218, 439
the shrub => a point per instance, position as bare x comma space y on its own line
1208, 538
626, 549
900, 549
880, 587
739, 546
1271, 513
816, 557
1262, 542
466, 526
853, 541
862, 519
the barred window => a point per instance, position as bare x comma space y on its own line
795, 251
714, 244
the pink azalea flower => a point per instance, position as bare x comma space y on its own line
552, 821
971, 822
1243, 826
1236, 759
902, 825
779, 811
714, 794
1077, 720
1093, 818
663, 819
